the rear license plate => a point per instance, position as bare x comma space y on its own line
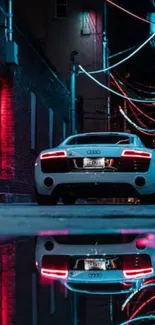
94, 163
94, 264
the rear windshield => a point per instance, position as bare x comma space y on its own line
101, 139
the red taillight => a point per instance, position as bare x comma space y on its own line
53, 154
136, 265
54, 274
136, 154
135, 273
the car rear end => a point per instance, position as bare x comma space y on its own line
116, 268
101, 170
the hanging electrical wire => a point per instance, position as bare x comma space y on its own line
122, 52
145, 131
125, 59
113, 91
134, 105
140, 308
131, 106
134, 293
143, 85
150, 317
130, 13
130, 92
132, 86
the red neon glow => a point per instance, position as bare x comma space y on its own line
57, 274
130, 13
8, 279
141, 307
136, 154
7, 133
53, 154
137, 273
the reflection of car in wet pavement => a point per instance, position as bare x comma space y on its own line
96, 264
96, 165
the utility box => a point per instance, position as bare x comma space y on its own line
11, 52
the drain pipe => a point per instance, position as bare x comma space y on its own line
10, 21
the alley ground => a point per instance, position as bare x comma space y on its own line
29, 219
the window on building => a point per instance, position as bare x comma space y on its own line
85, 24
33, 121
61, 8
50, 127
64, 130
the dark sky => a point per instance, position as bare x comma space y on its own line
126, 31
123, 31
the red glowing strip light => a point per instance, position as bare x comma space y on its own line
137, 273
137, 154
53, 154
57, 274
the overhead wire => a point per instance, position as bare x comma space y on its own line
134, 105
131, 106
137, 319
140, 308
143, 85
135, 292
130, 13
125, 59
132, 86
113, 91
145, 131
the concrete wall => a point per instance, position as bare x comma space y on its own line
59, 37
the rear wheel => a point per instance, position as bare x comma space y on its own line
147, 199
69, 199
46, 199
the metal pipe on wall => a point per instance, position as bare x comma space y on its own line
10, 21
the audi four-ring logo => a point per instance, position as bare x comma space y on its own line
93, 152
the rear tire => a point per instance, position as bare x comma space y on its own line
46, 199
69, 200
147, 199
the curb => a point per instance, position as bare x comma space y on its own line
15, 198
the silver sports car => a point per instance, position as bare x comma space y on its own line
96, 165
97, 264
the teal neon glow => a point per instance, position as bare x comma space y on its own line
138, 318
125, 59
113, 91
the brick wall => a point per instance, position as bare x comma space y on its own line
17, 264
33, 74
7, 284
